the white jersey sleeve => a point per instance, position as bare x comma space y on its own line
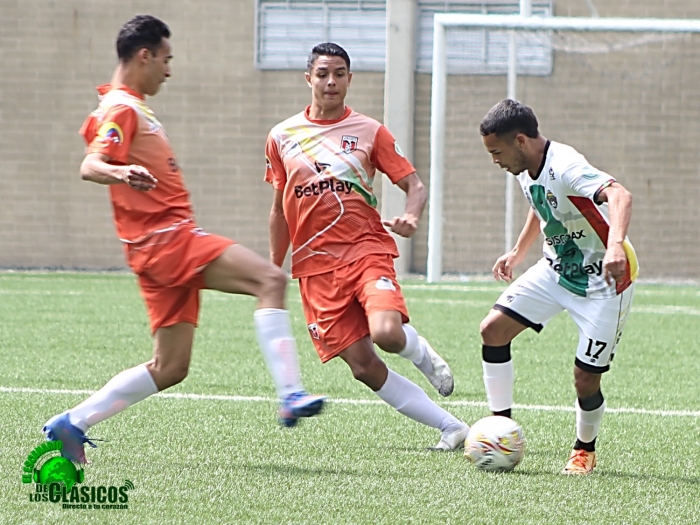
586, 181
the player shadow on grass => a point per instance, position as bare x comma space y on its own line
296, 471
598, 473
695, 480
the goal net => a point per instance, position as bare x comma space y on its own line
623, 92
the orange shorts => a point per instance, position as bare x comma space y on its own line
337, 303
169, 267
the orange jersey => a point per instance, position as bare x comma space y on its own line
125, 129
326, 170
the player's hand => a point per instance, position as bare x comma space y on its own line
614, 263
503, 269
405, 226
138, 178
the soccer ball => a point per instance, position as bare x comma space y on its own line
495, 444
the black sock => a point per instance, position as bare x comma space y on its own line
504, 413
495, 354
588, 447
591, 402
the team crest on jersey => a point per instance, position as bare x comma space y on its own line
348, 143
384, 283
199, 232
110, 133
313, 330
551, 199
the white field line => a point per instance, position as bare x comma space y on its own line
215, 296
98, 278
657, 310
258, 399
666, 309
499, 288
40, 292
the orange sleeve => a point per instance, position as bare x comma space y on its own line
114, 135
275, 173
388, 157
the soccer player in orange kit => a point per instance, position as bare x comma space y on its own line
321, 164
129, 151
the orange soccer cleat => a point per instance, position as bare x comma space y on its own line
580, 462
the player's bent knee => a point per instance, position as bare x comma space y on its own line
492, 334
175, 375
388, 337
167, 375
371, 373
499, 329
273, 280
361, 372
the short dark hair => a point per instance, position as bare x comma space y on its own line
510, 116
139, 32
327, 49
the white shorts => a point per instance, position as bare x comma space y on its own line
535, 297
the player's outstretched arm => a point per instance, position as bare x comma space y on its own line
505, 264
279, 230
416, 197
619, 211
96, 168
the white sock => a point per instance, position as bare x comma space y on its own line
408, 399
274, 332
120, 392
498, 380
588, 422
413, 351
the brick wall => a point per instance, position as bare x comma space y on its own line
633, 114
217, 109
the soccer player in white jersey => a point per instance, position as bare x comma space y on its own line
321, 163
588, 268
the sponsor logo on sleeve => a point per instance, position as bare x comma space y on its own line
590, 174
268, 164
398, 149
551, 174
110, 133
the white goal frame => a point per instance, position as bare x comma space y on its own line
439, 93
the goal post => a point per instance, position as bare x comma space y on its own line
511, 24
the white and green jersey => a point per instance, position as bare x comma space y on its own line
564, 196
